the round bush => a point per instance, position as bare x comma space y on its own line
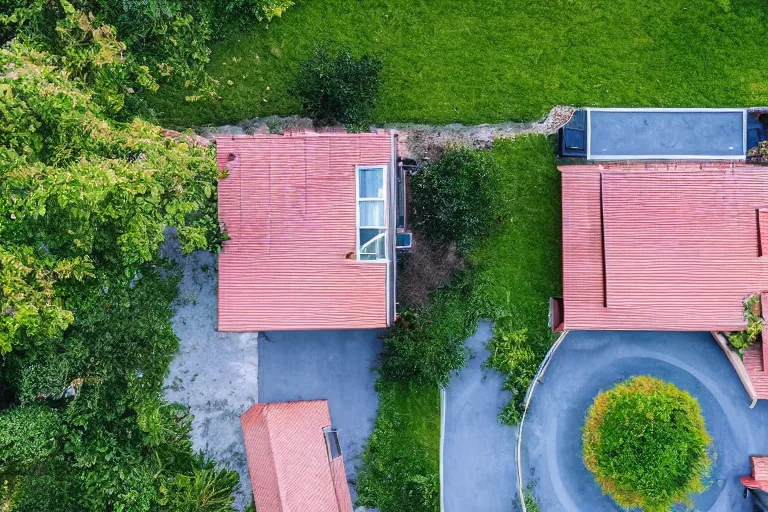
458, 197
338, 87
646, 443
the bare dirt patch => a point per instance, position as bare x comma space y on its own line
424, 270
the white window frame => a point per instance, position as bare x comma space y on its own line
385, 173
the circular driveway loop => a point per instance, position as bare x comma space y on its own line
588, 362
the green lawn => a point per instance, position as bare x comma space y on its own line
519, 269
401, 459
477, 61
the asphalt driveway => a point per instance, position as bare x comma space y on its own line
332, 365
479, 471
588, 362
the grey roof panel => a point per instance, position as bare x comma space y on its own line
621, 134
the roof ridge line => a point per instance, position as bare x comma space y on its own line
280, 487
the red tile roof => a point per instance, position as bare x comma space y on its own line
754, 362
661, 246
758, 479
289, 207
288, 459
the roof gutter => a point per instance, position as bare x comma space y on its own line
392, 228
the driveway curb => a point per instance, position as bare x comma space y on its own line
443, 397
529, 394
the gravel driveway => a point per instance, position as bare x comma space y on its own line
214, 374
588, 362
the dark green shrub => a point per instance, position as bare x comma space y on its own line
337, 88
426, 347
646, 443
458, 198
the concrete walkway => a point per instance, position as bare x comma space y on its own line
332, 365
588, 362
479, 452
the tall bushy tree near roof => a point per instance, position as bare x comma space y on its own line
78, 192
85, 299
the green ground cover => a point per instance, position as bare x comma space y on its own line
401, 460
476, 61
512, 276
520, 268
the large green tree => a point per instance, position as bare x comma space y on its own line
79, 193
85, 298
160, 42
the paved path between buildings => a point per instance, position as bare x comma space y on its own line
479, 452
332, 365
588, 362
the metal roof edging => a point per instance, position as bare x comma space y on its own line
391, 285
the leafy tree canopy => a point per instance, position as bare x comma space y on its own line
85, 298
79, 193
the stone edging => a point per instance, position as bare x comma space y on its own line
529, 394
738, 365
417, 141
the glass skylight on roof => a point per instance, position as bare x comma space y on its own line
371, 183
371, 214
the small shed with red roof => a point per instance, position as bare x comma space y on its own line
673, 246
758, 477
294, 458
311, 225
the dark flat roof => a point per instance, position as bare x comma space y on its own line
621, 134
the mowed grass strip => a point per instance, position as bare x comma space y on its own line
520, 268
401, 459
476, 61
